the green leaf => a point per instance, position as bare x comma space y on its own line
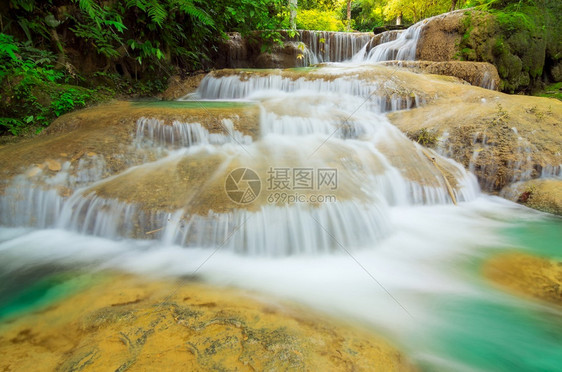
8, 47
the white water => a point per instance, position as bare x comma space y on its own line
399, 46
403, 48
373, 96
153, 132
326, 46
421, 264
372, 179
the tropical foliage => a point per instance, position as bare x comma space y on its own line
315, 19
55, 54
58, 55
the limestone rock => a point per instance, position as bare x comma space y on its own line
125, 323
556, 71
178, 87
285, 57
480, 74
440, 37
53, 165
542, 194
105, 130
501, 138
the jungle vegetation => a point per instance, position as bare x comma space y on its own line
59, 55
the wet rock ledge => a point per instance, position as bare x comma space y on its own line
124, 323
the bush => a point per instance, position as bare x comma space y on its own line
32, 91
319, 20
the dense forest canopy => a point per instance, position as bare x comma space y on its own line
60, 54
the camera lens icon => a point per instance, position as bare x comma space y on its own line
242, 185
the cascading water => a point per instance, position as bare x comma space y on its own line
385, 223
369, 141
325, 46
402, 48
375, 96
394, 45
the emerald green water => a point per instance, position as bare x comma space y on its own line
500, 331
38, 290
539, 237
495, 336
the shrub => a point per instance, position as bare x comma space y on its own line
314, 19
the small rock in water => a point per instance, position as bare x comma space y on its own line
53, 165
33, 172
78, 155
91, 153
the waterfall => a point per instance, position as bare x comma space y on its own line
299, 49
292, 184
328, 46
153, 132
326, 118
402, 48
241, 84
395, 45
179, 198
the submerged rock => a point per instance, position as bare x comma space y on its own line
127, 323
528, 275
53, 165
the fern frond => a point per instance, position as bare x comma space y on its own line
190, 9
157, 12
93, 10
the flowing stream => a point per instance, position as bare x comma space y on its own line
382, 245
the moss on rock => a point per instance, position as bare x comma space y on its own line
522, 40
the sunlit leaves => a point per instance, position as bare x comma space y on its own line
7, 47
415, 10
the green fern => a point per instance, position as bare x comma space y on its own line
190, 9
96, 12
8, 47
157, 12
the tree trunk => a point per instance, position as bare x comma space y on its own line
293, 5
399, 19
453, 5
348, 15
